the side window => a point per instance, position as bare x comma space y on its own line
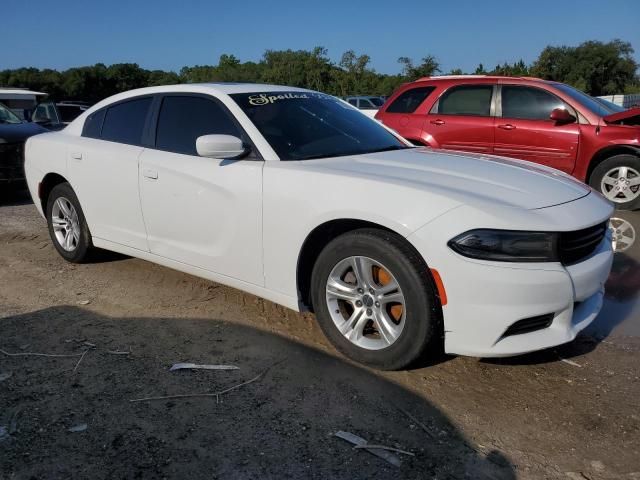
528, 103
93, 124
124, 122
466, 100
366, 104
408, 101
353, 102
183, 119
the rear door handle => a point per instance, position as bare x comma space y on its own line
507, 126
76, 155
437, 122
152, 174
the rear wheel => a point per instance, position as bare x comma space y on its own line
374, 299
618, 179
67, 226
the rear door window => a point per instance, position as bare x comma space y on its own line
472, 100
408, 101
183, 119
124, 122
528, 103
93, 124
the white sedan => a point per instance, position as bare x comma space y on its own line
295, 196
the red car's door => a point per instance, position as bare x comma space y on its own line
462, 119
524, 129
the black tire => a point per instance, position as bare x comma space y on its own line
423, 318
84, 247
623, 160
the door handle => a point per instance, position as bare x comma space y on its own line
507, 126
152, 174
76, 155
438, 122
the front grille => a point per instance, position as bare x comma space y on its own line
576, 246
11, 161
528, 325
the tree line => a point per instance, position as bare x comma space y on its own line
595, 67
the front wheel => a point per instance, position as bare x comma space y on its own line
374, 299
67, 226
618, 179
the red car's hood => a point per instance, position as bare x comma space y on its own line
632, 113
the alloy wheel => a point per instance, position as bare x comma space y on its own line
65, 223
366, 302
621, 184
623, 234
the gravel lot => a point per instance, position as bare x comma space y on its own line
529, 417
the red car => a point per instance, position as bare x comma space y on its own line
528, 118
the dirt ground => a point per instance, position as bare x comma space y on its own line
531, 417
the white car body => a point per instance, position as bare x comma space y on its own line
244, 223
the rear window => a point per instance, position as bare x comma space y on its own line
124, 122
408, 101
466, 100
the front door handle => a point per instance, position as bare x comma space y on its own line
507, 126
148, 173
76, 155
438, 122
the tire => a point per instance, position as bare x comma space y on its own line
609, 171
416, 325
80, 247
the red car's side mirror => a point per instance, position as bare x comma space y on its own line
561, 115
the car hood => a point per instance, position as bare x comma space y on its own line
19, 132
632, 116
469, 178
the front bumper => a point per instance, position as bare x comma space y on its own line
486, 298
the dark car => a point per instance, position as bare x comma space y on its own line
13, 135
56, 116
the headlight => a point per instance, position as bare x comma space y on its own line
507, 246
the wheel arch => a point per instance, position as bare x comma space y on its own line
607, 152
319, 237
47, 184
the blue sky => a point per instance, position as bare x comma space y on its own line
168, 34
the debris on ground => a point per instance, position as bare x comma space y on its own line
193, 366
217, 395
417, 422
84, 302
81, 427
5, 376
32, 354
375, 450
570, 362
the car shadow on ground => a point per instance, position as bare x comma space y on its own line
13, 197
280, 426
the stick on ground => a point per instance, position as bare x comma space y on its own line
29, 354
417, 422
215, 394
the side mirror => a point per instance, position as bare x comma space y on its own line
561, 116
220, 146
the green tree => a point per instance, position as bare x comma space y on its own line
595, 67
427, 68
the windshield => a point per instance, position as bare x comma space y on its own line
597, 106
7, 116
306, 125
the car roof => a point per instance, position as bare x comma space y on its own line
482, 77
